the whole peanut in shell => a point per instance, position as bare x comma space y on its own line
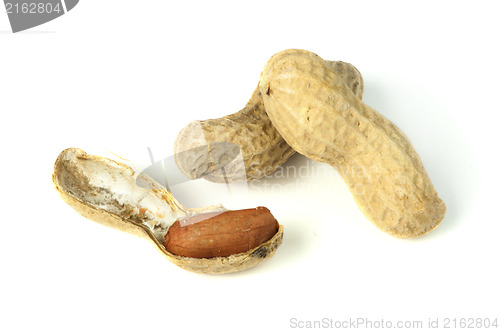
262, 149
320, 117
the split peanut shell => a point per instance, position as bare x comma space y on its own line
113, 194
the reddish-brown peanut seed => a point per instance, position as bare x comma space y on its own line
221, 235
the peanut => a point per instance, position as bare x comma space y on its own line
221, 235
113, 194
261, 146
320, 117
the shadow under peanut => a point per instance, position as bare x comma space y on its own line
295, 248
430, 123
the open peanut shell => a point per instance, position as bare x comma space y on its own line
113, 194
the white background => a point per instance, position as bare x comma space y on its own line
122, 76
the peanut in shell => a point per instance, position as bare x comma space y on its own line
321, 118
262, 149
